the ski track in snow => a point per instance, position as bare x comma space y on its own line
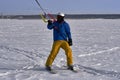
100, 52
31, 55
99, 72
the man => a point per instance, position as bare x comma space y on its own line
62, 39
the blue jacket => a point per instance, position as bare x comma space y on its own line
61, 31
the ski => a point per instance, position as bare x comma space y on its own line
48, 68
55, 72
64, 68
75, 71
52, 71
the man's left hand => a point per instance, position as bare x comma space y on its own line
70, 42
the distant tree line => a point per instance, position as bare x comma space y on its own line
68, 16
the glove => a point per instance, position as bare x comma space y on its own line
70, 42
49, 22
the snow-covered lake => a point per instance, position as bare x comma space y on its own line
25, 46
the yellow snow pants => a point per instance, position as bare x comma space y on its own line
55, 49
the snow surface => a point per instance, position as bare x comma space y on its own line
25, 46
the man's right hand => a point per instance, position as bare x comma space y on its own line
49, 22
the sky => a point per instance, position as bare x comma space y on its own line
65, 6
